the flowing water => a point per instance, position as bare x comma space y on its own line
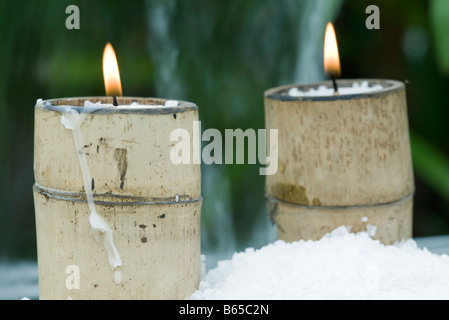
223, 57
315, 15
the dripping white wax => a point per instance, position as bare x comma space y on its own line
101, 231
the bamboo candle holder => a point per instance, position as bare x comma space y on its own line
343, 160
152, 205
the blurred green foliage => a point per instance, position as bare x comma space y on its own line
221, 55
439, 19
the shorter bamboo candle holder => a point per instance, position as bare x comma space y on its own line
343, 160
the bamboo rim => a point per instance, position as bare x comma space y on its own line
78, 104
389, 86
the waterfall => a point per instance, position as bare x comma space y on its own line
315, 15
163, 48
222, 55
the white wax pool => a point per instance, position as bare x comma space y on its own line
323, 91
134, 105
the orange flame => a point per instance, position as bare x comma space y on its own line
331, 56
111, 73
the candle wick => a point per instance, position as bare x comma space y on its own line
114, 101
334, 82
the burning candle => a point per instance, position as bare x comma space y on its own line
331, 55
102, 168
344, 156
111, 74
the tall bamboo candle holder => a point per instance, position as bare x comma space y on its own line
152, 205
344, 159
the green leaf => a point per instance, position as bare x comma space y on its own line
431, 165
439, 19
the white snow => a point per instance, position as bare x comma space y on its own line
341, 265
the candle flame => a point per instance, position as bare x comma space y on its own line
331, 56
111, 73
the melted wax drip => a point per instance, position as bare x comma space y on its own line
100, 230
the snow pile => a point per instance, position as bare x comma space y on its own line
340, 266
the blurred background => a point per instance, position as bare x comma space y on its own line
221, 55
